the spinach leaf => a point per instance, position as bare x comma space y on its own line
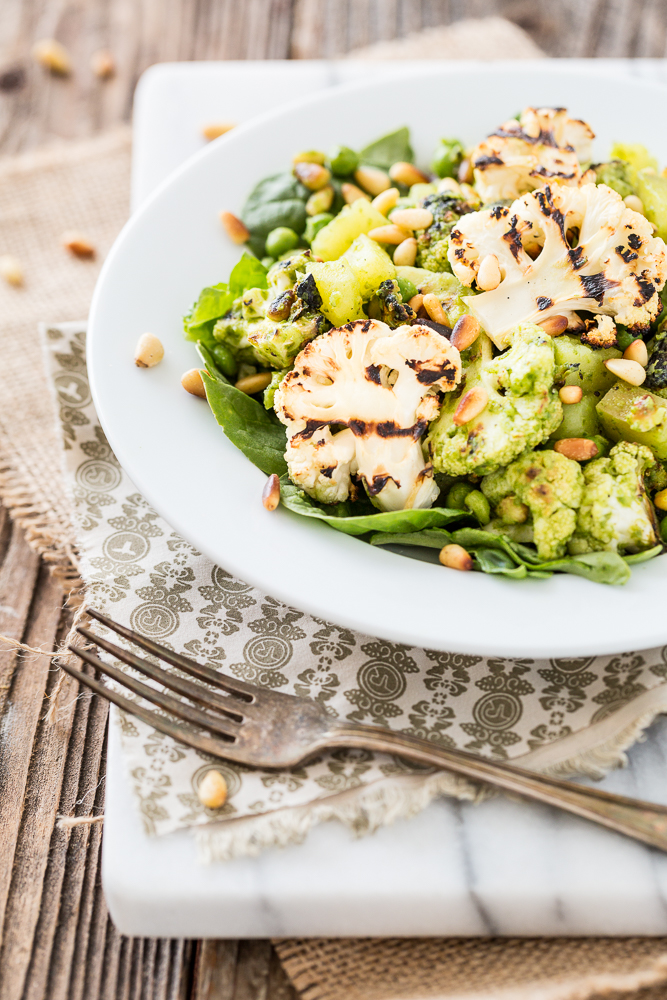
389, 149
213, 302
640, 557
341, 518
600, 567
279, 200
430, 538
209, 363
496, 561
247, 424
247, 273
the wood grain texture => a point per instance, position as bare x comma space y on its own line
56, 939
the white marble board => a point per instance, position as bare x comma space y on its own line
502, 868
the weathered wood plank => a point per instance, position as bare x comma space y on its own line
18, 575
215, 970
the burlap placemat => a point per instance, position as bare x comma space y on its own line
45, 198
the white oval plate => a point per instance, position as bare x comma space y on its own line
175, 453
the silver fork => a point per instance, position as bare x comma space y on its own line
236, 721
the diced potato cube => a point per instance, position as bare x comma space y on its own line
630, 413
341, 296
579, 364
334, 239
371, 264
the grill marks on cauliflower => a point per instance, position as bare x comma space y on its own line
616, 268
545, 144
357, 403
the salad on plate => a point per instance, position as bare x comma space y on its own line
466, 362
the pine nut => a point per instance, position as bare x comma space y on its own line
488, 275
312, 175
193, 383
433, 307
213, 130
271, 492
578, 449
405, 253
389, 234
412, 218
471, 405
634, 203
570, 394
406, 173
254, 383
660, 500
386, 201
53, 56
149, 351
553, 326
320, 201
455, 557
11, 270
465, 174
629, 371
78, 244
102, 64
416, 302
637, 351
372, 179
212, 791
466, 331
352, 193
236, 231
449, 184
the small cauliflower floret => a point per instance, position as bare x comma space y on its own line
550, 486
545, 144
617, 266
523, 407
615, 512
269, 326
600, 332
432, 243
357, 403
387, 305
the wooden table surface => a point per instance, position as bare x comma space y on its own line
57, 940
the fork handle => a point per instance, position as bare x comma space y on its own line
635, 818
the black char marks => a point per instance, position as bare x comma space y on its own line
595, 285
440, 328
543, 302
499, 211
487, 161
646, 288
513, 238
626, 255
634, 241
373, 374
378, 484
427, 376
577, 258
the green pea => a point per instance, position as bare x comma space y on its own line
315, 223
281, 240
343, 160
456, 496
225, 360
447, 157
478, 505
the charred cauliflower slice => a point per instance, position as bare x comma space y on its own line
545, 144
357, 403
615, 512
617, 266
269, 326
522, 407
551, 486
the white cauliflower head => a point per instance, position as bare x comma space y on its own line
617, 266
544, 145
357, 402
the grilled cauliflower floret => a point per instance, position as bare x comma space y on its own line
357, 402
615, 512
523, 155
550, 486
523, 408
270, 325
617, 266
600, 332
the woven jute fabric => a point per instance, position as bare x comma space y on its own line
82, 187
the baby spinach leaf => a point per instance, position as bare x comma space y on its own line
209, 363
392, 148
279, 200
213, 302
430, 538
247, 273
496, 561
247, 424
640, 557
600, 567
395, 521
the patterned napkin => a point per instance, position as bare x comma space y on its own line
563, 716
